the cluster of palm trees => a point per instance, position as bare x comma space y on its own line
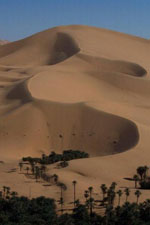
109, 193
38, 171
141, 178
108, 196
6, 193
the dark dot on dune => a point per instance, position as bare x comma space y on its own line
60, 136
73, 134
115, 142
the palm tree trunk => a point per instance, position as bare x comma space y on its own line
103, 196
91, 209
74, 194
119, 201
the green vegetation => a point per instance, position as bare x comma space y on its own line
142, 179
15, 210
67, 155
115, 211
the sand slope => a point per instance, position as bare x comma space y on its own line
89, 85
3, 42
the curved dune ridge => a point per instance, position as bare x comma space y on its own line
61, 74
75, 87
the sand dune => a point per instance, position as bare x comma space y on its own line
89, 85
3, 42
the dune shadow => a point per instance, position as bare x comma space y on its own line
64, 47
111, 134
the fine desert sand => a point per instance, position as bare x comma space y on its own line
89, 85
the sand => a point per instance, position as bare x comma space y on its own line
89, 85
3, 42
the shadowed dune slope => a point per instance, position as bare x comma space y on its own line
77, 87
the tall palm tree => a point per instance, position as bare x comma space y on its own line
7, 192
104, 190
27, 169
55, 176
91, 205
137, 194
43, 168
37, 173
145, 172
32, 167
136, 179
113, 185
14, 194
86, 195
141, 170
119, 192
90, 191
127, 193
74, 191
61, 201
20, 165
4, 191
111, 196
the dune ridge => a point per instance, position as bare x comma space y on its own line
77, 87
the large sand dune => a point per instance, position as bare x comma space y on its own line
77, 87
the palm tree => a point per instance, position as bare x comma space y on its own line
20, 165
119, 192
61, 201
141, 170
108, 213
137, 194
7, 192
113, 185
111, 196
104, 190
32, 167
14, 194
74, 191
43, 156
43, 168
77, 202
37, 172
91, 204
27, 169
145, 172
90, 191
55, 176
4, 191
86, 194
136, 179
127, 193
